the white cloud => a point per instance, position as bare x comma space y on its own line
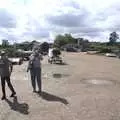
42, 20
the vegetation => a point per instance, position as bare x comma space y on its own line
16, 49
62, 41
83, 44
56, 52
113, 38
44, 47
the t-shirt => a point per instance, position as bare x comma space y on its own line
4, 67
35, 61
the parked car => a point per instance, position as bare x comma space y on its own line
16, 61
111, 55
71, 49
57, 59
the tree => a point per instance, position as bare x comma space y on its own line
113, 38
69, 39
24, 46
62, 40
5, 43
44, 47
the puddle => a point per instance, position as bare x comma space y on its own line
99, 82
58, 75
62, 63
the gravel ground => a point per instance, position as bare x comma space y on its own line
86, 87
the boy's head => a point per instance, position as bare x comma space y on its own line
36, 54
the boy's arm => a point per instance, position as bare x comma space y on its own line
1, 64
10, 65
28, 67
29, 63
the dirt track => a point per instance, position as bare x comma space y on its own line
86, 88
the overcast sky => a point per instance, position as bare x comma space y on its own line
22, 20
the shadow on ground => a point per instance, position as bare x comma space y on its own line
18, 107
59, 75
50, 97
63, 63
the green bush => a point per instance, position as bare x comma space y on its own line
56, 52
105, 50
12, 52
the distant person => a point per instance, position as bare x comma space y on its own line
5, 73
34, 66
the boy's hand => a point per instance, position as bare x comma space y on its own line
10, 72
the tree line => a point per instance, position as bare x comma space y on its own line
62, 40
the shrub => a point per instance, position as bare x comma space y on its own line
105, 50
56, 52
